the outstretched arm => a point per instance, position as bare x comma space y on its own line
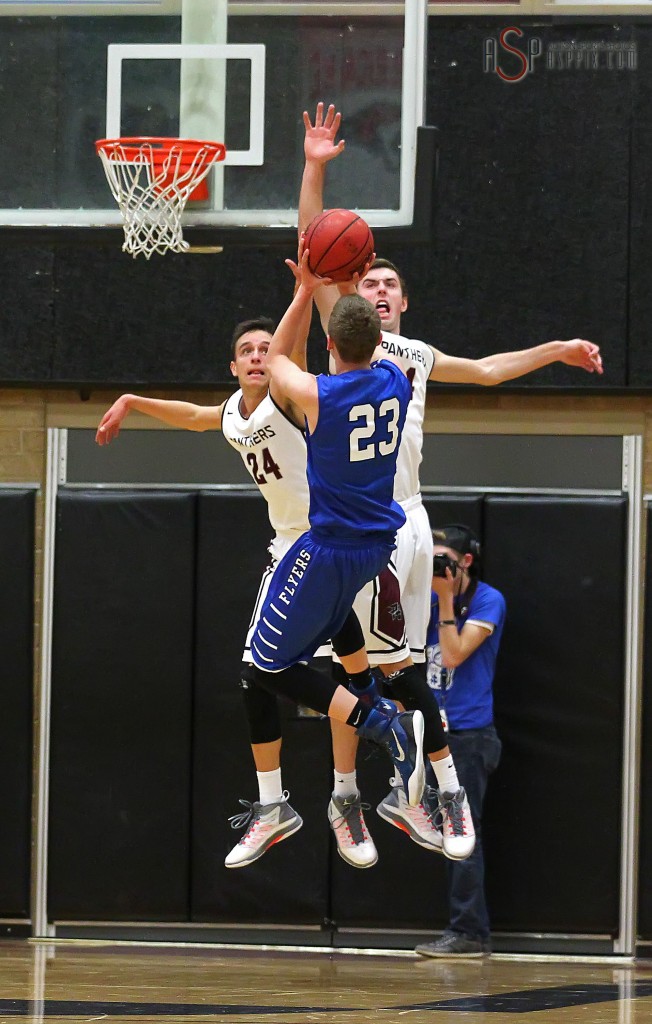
319, 149
509, 365
298, 354
298, 385
184, 415
298, 357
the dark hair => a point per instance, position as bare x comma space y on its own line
354, 328
381, 264
259, 323
462, 539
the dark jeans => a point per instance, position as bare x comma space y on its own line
476, 753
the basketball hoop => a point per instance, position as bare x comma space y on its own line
152, 180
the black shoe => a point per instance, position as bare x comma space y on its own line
453, 944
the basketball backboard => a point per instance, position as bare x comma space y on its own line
236, 72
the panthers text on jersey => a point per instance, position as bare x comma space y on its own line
273, 449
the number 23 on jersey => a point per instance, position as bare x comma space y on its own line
378, 432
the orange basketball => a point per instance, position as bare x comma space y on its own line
339, 242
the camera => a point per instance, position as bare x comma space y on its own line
440, 563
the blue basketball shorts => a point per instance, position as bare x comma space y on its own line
309, 597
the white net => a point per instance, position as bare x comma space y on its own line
151, 181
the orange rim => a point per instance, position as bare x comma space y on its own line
131, 147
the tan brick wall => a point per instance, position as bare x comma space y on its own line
22, 418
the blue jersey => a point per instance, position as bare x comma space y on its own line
466, 692
352, 454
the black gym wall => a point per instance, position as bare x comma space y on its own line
542, 225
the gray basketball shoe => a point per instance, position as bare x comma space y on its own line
354, 844
416, 821
266, 824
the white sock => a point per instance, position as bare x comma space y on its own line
446, 775
345, 783
270, 787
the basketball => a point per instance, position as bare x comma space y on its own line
339, 242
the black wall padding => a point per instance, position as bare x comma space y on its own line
16, 645
416, 878
645, 819
122, 706
553, 811
289, 884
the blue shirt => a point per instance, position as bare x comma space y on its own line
352, 454
465, 692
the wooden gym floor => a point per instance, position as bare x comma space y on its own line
77, 981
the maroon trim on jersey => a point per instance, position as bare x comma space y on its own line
288, 418
387, 621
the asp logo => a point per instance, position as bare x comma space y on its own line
520, 59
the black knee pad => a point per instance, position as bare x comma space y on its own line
261, 708
301, 683
349, 638
339, 675
409, 686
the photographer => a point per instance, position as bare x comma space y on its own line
466, 624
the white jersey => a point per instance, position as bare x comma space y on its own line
417, 360
274, 451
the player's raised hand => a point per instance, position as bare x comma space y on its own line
111, 422
302, 272
584, 354
350, 287
319, 144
